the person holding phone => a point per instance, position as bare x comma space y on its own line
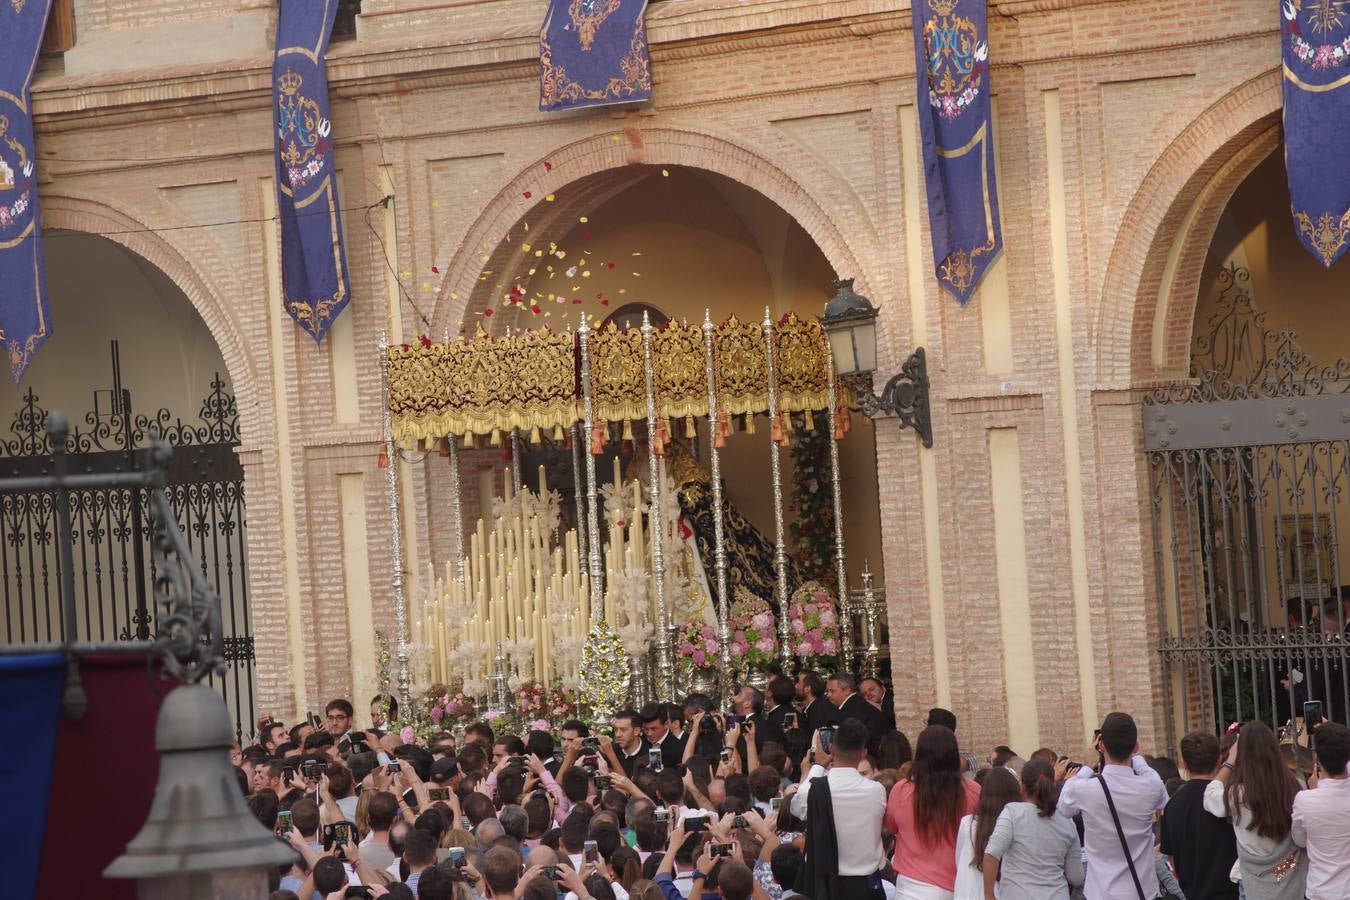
1320, 820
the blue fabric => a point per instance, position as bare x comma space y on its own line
25, 316
30, 709
314, 280
952, 61
593, 53
1316, 46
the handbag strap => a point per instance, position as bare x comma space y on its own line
1120, 833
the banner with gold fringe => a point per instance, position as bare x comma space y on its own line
952, 74
314, 280
593, 53
25, 314
1316, 47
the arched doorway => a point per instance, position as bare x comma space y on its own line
1249, 465
129, 354
675, 240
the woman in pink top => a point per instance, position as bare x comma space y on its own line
924, 812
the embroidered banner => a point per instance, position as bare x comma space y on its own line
951, 61
25, 316
1317, 122
593, 53
314, 278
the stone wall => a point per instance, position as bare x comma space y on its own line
1119, 130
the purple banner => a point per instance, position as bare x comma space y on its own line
25, 314
314, 279
952, 64
594, 53
1316, 45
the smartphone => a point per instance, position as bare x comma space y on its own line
695, 823
516, 761
283, 824
590, 852
790, 721
539, 794
734, 719
341, 833
775, 804
550, 872
660, 815
1312, 714
590, 763
590, 745
739, 822
435, 794
826, 738
287, 774
726, 754
457, 857
603, 782
394, 767
654, 761
721, 850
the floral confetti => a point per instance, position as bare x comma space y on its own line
548, 166
548, 198
436, 270
571, 272
583, 220
665, 173
528, 195
488, 311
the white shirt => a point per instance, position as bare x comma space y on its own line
1249, 842
1138, 793
969, 881
859, 805
1322, 824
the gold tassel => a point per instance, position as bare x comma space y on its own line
627, 429
690, 429
809, 421
496, 440
749, 423
384, 457
558, 432
534, 435
469, 440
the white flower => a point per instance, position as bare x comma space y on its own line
325, 127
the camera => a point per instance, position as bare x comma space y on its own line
539, 794
660, 815
707, 726
394, 767
721, 851
591, 764
726, 754
603, 782
310, 769
434, 794
358, 891
739, 822
695, 823
550, 872
516, 761
590, 745
654, 760
733, 719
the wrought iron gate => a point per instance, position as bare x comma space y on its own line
1249, 465
113, 567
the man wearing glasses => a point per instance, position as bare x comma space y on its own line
339, 718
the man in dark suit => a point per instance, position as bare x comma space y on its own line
876, 693
628, 749
781, 713
842, 691
816, 711
749, 702
656, 728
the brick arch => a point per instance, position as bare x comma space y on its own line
1188, 187
598, 162
163, 250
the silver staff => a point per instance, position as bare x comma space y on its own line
592, 519
665, 664
395, 536
719, 538
775, 473
845, 608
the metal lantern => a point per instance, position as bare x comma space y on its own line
200, 834
850, 323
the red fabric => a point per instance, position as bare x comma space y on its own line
103, 780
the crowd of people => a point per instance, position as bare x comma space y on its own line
807, 791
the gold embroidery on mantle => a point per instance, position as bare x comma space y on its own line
588, 16
1327, 235
556, 87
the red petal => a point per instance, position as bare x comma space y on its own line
436, 269
548, 166
611, 265
528, 195
488, 311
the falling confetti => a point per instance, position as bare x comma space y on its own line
576, 300
548, 198
435, 270
528, 195
583, 220
488, 311
611, 265
665, 173
548, 166
572, 272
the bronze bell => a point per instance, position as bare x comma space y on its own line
200, 828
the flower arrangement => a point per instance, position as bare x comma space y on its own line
698, 644
812, 499
814, 621
534, 702
754, 643
447, 707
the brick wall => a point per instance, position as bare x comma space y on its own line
801, 101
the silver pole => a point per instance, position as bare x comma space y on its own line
579, 492
665, 664
517, 480
456, 510
845, 609
395, 537
775, 473
592, 513
719, 537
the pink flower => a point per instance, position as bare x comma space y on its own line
810, 608
539, 725
700, 659
762, 620
437, 713
803, 649
739, 636
765, 644
686, 648
707, 631
798, 626
492, 714
831, 646
827, 617
407, 734
711, 645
